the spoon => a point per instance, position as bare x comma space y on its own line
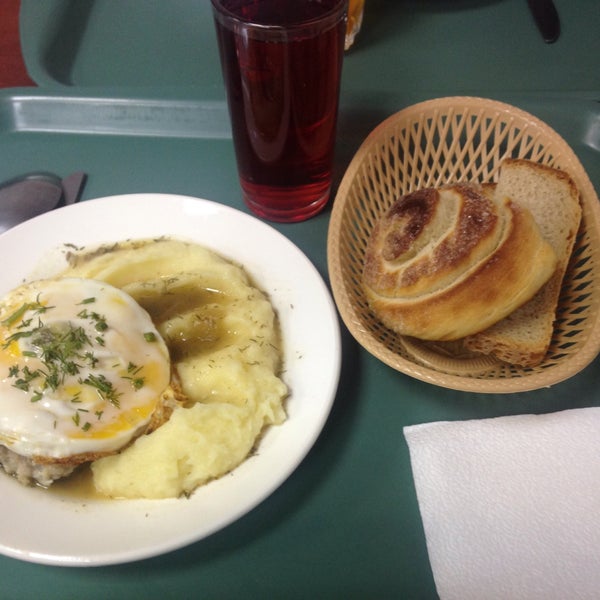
32, 194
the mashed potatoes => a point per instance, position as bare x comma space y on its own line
223, 339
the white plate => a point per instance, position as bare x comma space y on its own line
43, 527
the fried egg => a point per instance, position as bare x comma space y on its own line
82, 369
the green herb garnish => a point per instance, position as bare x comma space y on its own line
106, 390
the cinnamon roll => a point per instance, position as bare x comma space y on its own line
445, 263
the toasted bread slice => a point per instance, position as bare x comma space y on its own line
524, 336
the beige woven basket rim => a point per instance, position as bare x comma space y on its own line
419, 369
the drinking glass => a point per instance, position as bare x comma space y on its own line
281, 63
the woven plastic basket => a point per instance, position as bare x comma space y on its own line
449, 140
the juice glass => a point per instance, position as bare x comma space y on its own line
282, 62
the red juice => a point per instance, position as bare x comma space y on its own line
282, 78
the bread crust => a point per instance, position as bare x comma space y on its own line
523, 338
444, 264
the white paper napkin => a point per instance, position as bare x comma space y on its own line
511, 505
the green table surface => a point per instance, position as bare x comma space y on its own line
130, 92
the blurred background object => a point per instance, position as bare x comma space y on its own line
355, 16
12, 67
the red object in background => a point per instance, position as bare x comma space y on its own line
12, 67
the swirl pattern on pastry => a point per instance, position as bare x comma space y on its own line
444, 263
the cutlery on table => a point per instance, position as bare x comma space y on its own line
29, 195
